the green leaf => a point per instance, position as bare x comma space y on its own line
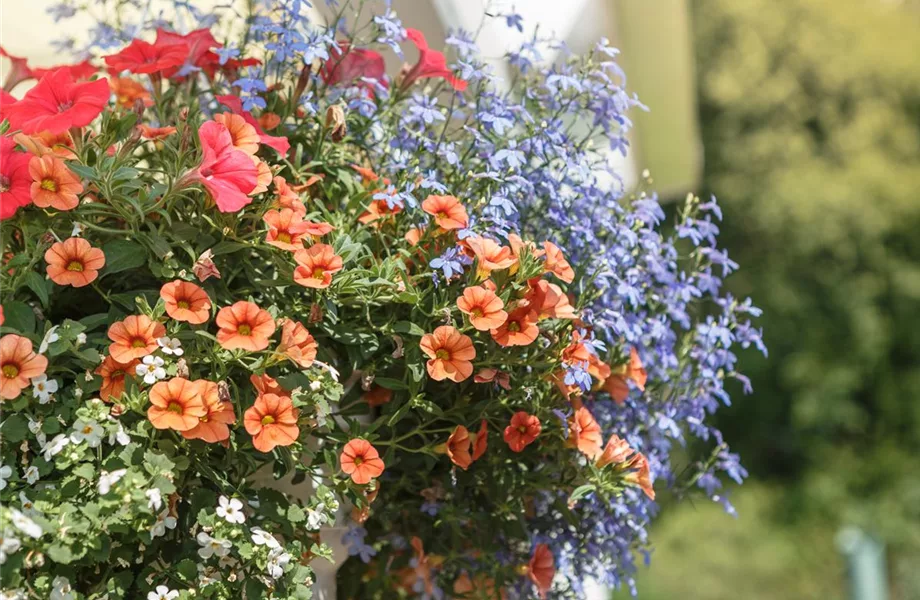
295, 514
408, 328
157, 464
39, 285
400, 413
19, 316
60, 553
82, 170
121, 255
580, 492
187, 569
15, 428
390, 384
84, 471
227, 248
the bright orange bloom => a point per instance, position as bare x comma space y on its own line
413, 236
272, 421
557, 264
318, 228
541, 569
547, 301
263, 176
378, 210
367, 175
45, 142
53, 184
265, 384
458, 447
156, 133
177, 404
377, 395
616, 451
74, 262
288, 198
518, 330
490, 256
18, 364
244, 136
450, 353
483, 307
135, 337
127, 91
482, 440
518, 245
585, 433
113, 377
269, 120
361, 460
286, 230
186, 302
214, 425
616, 385
297, 344
244, 326
447, 211
481, 587
487, 375
317, 264
641, 475
576, 353
522, 431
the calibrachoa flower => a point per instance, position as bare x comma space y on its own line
177, 404
58, 103
522, 431
244, 326
286, 230
185, 301
74, 262
214, 425
316, 265
447, 211
135, 337
450, 354
18, 364
458, 447
482, 440
541, 569
297, 344
272, 421
585, 433
483, 307
113, 377
361, 460
518, 328
53, 184
490, 255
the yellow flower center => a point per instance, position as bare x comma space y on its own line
49, 185
87, 430
268, 420
138, 343
75, 265
10, 370
175, 407
522, 429
514, 326
244, 329
182, 304
284, 237
358, 460
318, 273
442, 354
477, 312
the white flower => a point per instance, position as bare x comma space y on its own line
162, 593
277, 560
109, 478
77, 229
9, 544
27, 507
231, 510
49, 338
78, 393
151, 370
119, 436
36, 428
14, 594
170, 345
316, 385
207, 574
163, 522
25, 524
260, 537
212, 546
87, 431
31, 474
54, 447
60, 589
81, 338
154, 498
5, 472
43, 388
317, 517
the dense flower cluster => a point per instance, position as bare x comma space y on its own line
247, 284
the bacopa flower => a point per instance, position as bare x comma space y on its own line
431, 64
286, 230
556, 263
18, 364
185, 301
519, 329
53, 184
74, 262
458, 447
522, 431
213, 426
59, 103
585, 433
43, 388
271, 421
244, 326
113, 377
448, 212
15, 180
230, 510
297, 344
541, 569
483, 307
450, 354
134, 337
228, 174
143, 57
162, 593
316, 266
151, 369
177, 404
361, 460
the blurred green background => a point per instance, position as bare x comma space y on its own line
809, 112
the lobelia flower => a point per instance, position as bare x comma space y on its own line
449, 214
151, 369
483, 307
74, 262
58, 103
272, 421
113, 377
185, 301
431, 64
143, 57
43, 388
458, 447
15, 179
522, 431
18, 364
542, 569
176, 404
450, 354
213, 426
361, 461
316, 265
244, 326
133, 338
226, 173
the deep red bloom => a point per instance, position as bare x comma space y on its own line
279, 143
6, 101
346, 64
143, 57
197, 47
228, 174
58, 103
15, 180
431, 63
19, 70
80, 71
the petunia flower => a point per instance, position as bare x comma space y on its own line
316, 266
361, 460
53, 184
185, 301
73, 262
450, 354
228, 174
18, 364
134, 337
15, 180
272, 421
244, 326
58, 103
431, 64
522, 431
349, 65
448, 212
279, 143
176, 404
541, 569
143, 57
483, 307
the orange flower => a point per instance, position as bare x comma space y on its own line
413, 236
45, 142
479, 587
177, 404
286, 230
155, 133
113, 377
522, 431
547, 301
272, 421
488, 375
576, 353
266, 384
243, 135
378, 210
127, 91
377, 395
616, 385
518, 246
458, 447
244, 326
269, 120
616, 451
450, 353
541, 569
263, 176
361, 460
297, 344
557, 264
447, 211
483, 307
135, 337
641, 475
490, 256
214, 425
186, 302
482, 440
317, 264
18, 364
518, 330
74, 262
53, 184
367, 175
585, 433
318, 228
287, 198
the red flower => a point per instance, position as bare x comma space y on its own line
196, 46
144, 57
15, 180
80, 71
279, 143
541, 569
346, 64
523, 430
361, 460
431, 63
58, 103
6, 101
19, 70
228, 174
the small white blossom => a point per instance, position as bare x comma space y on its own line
212, 546
13, 594
154, 498
78, 393
317, 517
260, 537
87, 431
9, 544
316, 385
119, 436
54, 447
162, 593
31, 474
5, 472
207, 574
60, 589
277, 560
49, 338
151, 369
81, 338
77, 230
109, 478
163, 522
170, 345
43, 388
27, 507
25, 524
230, 510
36, 428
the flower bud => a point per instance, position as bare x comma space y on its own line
335, 122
